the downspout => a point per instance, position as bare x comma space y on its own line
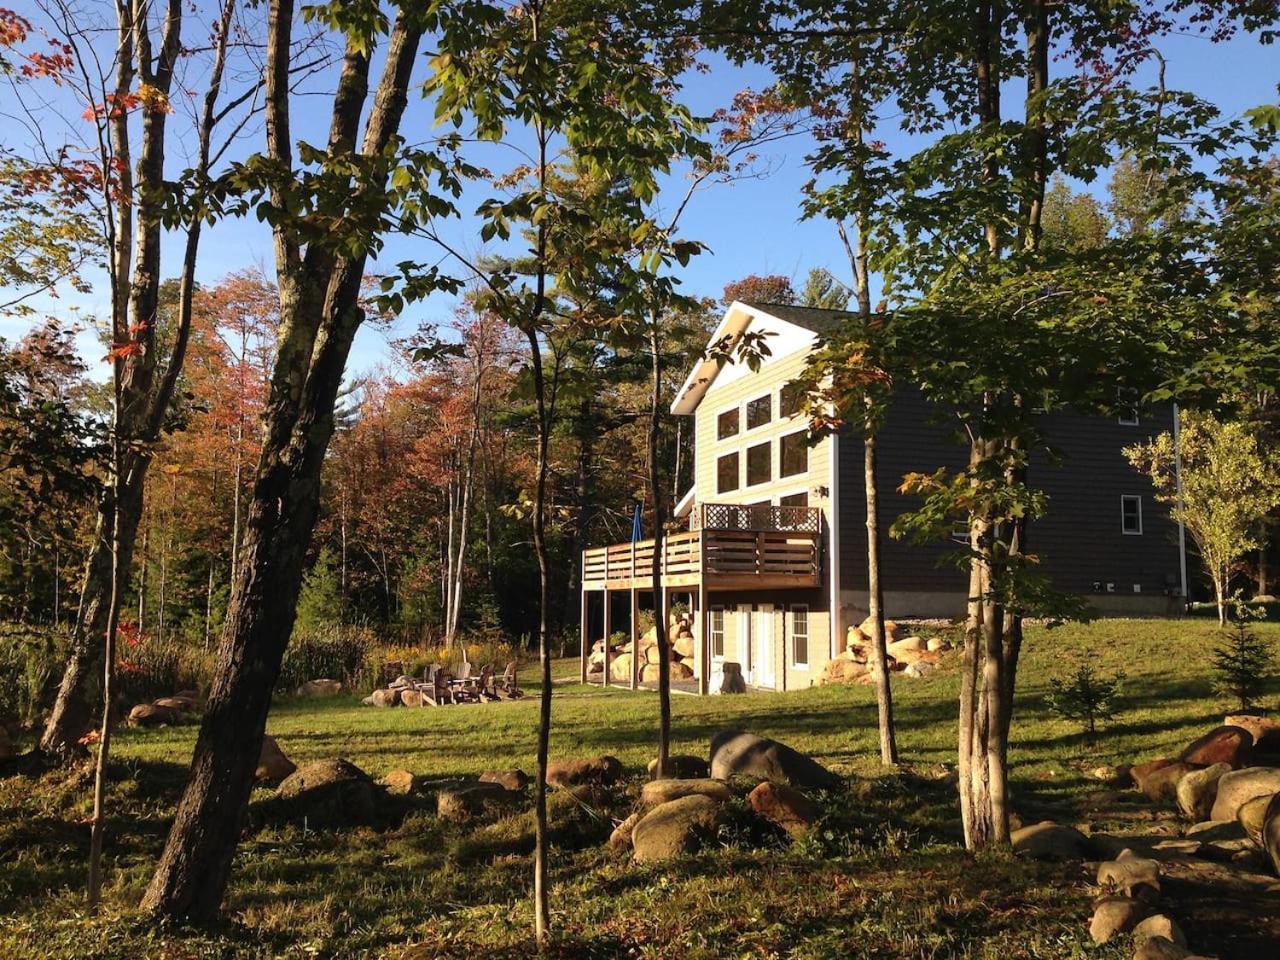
833, 544
1182, 528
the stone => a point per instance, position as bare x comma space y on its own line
382, 698
735, 753
1050, 841
1113, 916
681, 766
1132, 876
1264, 730
1252, 815
937, 645
320, 688
652, 656
1271, 832
842, 670
649, 673
620, 668
150, 715
784, 807
680, 671
674, 828
684, 645
919, 669
1229, 745
176, 704
1159, 925
731, 679
413, 698
1140, 771
1159, 948
604, 770
1197, 790
1108, 774
514, 779
906, 651
1210, 830
330, 793
471, 800
1239, 786
1224, 851
854, 637
620, 838
656, 792
399, 783
273, 765
1162, 784
892, 631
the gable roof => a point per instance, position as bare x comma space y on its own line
733, 324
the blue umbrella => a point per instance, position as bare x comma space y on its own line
637, 526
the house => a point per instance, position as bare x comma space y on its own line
772, 565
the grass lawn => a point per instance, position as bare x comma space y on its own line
884, 878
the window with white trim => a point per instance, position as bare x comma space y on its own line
793, 454
759, 464
717, 631
759, 411
1131, 515
800, 635
727, 424
727, 473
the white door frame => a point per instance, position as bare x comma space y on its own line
763, 668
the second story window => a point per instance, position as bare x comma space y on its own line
727, 473
727, 424
793, 454
759, 411
759, 463
1131, 515
790, 399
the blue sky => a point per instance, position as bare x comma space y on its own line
751, 226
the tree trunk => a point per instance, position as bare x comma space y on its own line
875, 605
659, 517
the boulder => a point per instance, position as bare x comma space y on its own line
151, 715
470, 800
651, 656
1113, 916
413, 698
1252, 815
1162, 784
1132, 876
657, 792
681, 671
681, 766
620, 668
919, 669
784, 807
399, 783
1112, 775
683, 645
620, 838
734, 753
1159, 948
273, 765
1159, 925
649, 673
604, 770
1050, 841
937, 645
842, 670
731, 680
1140, 771
1264, 730
892, 631
320, 688
1197, 790
1229, 745
1271, 832
514, 780
854, 637
177, 704
1211, 830
1239, 786
330, 793
906, 651
382, 698
674, 828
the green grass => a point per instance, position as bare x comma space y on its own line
885, 879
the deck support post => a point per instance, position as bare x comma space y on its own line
608, 632
702, 649
585, 633
635, 638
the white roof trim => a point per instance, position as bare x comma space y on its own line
686, 503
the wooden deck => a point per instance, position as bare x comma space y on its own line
730, 547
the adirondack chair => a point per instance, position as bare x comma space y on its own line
437, 691
506, 684
485, 689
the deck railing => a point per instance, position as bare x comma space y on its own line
762, 517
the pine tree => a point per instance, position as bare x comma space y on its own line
1243, 662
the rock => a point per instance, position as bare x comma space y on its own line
906, 651
1229, 745
621, 837
937, 645
273, 765
1252, 815
892, 631
1159, 948
412, 698
842, 670
784, 807
1178, 848
320, 688
1132, 876
1113, 916
674, 828
681, 671
1239, 786
1159, 925
1197, 790
731, 678
466, 801
1264, 730
330, 793
734, 753
919, 669
620, 668
382, 698
151, 715
649, 673
684, 645
854, 637
1050, 841
681, 766
176, 704
1224, 851
1162, 784
1271, 832
514, 780
651, 656
1140, 771
1211, 830
604, 770
657, 792
1112, 775
399, 783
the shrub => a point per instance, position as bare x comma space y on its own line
1243, 661
330, 652
147, 668
31, 660
1085, 696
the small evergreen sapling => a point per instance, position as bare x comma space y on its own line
1085, 696
1243, 661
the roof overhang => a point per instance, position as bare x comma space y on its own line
731, 327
